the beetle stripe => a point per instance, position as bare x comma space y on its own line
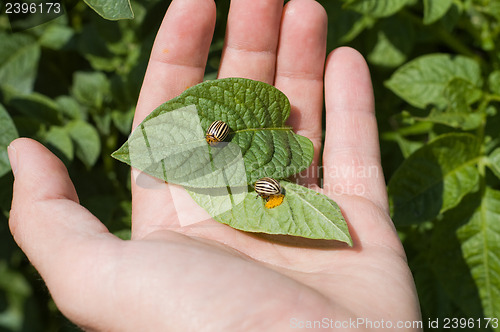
217, 132
218, 129
267, 187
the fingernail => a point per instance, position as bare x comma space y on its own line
12, 158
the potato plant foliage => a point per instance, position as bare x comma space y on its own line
73, 82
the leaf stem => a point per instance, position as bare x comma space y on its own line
256, 129
492, 97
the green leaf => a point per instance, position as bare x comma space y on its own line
452, 17
170, 143
37, 106
15, 290
480, 239
435, 9
494, 82
406, 146
377, 8
19, 57
70, 108
109, 48
460, 93
304, 212
87, 142
445, 256
393, 41
123, 120
112, 10
434, 302
494, 162
422, 81
171, 146
492, 8
94, 47
344, 25
56, 36
124, 234
58, 137
8, 133
434, 178
90, 89
458, 113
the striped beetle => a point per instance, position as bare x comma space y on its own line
267, 187
216, 132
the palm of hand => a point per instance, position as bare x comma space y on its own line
209, 276
278, 282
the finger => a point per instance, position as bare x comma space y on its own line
351, 156
177, 61
251, 39
179, 53
299, 72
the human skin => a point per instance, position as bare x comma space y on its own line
208, 276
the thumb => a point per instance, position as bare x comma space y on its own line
55, 232
45, 204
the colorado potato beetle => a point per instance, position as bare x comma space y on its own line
216, 132
267, 187
270, 190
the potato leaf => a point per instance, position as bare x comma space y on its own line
8, 133
112, 10
494, 162
422, 81
377, 8
480, 239
459, 95
59, 139
494, 82
37, 106
435, 9
392, 42
446, 173
444, 255
19, 57
90, 89
86, 140
170, 143
304, 212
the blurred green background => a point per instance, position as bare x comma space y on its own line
72, 83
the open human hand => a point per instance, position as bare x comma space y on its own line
208, 276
